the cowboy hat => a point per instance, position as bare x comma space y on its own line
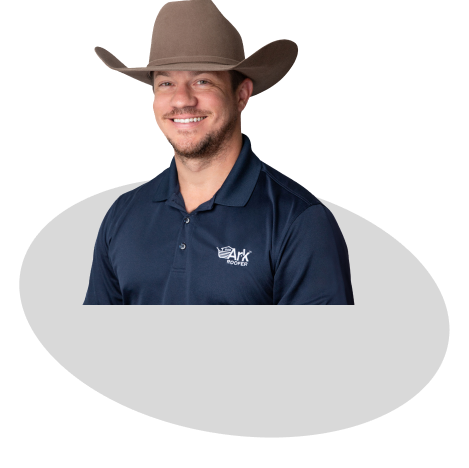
194, 35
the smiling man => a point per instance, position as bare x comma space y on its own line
199, 113
219, 226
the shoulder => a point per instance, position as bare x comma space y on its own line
132, 199
289, 207
142, 193
286, 187
285, 198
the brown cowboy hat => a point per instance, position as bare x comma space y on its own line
194, 35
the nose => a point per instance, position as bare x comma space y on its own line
183, 97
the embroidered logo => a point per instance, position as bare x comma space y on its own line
239, 258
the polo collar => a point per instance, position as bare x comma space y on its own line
237, 187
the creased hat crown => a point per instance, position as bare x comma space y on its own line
194, 30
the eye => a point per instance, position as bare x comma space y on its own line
167, 82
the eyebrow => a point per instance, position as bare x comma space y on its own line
194, 73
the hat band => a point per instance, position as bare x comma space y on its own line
194, 58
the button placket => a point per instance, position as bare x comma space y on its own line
186, 220
183, 244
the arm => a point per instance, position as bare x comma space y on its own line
103, 288
312, 262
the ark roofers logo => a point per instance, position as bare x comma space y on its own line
238, 258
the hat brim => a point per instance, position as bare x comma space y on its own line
266, 67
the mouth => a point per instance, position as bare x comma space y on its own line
188, 122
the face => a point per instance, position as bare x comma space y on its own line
207, 99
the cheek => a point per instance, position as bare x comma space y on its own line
160, 104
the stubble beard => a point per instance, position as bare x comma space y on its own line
211, 145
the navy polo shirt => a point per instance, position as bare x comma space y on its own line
261, 239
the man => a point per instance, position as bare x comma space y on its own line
219, 226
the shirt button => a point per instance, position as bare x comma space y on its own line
186, 220
182, 246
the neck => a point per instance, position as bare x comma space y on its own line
199, 179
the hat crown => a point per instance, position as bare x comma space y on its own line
194, 28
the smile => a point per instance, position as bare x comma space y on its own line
187, 124
196, 119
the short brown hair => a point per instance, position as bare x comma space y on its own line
236, 79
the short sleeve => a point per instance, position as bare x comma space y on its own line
103, 288
312, 265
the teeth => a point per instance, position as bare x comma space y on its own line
198, 119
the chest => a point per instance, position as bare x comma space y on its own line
220, 256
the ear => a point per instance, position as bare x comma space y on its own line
243, 93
